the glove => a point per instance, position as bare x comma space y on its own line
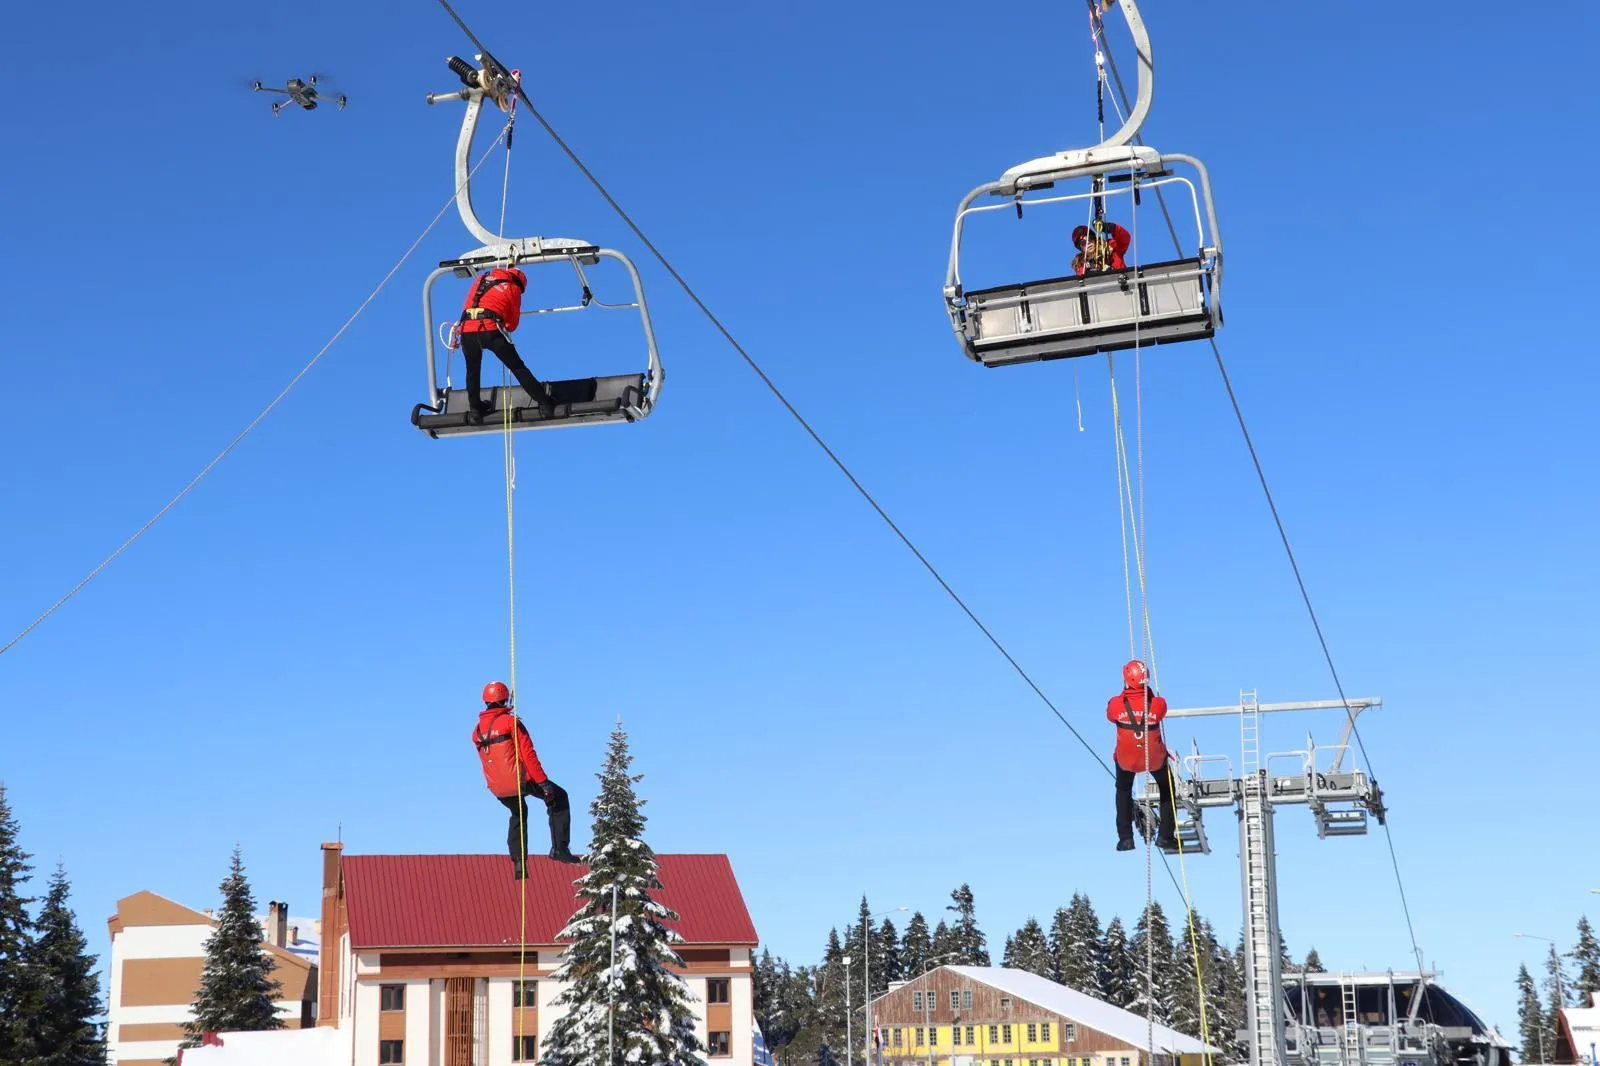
539, 789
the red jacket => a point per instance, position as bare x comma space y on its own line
497, 730
1139, 743
1120, 240
498, 292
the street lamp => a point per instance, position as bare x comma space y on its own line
927, 999
1561, 993
866, 986
848, 1039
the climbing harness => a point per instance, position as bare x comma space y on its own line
614, 398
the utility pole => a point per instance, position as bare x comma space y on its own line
1340, 802
849, 1040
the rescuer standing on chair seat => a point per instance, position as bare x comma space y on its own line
511, 770
489, 317
1137, 713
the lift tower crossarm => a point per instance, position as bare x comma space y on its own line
1355, 707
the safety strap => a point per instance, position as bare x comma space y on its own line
473, 312
488, 740
1139, 726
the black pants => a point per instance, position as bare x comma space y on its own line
1163, 776
560, 813
473, 345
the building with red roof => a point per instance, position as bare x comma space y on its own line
446, 960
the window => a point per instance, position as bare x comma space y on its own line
1005, 1036
1044, 1032
955, 1000
919, 1036
970, 1040
1069, 1032
717, 1045
391, 1051
966, 999
933, 1036
994, 1034
1124, 1060
717, 990
1033, 1037
525, 993
896, 1040
955, 1035
916, 1001
392, 997
523, 1048
1005, 1002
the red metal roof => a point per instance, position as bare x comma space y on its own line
459, 901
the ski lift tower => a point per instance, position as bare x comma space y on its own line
1340, 801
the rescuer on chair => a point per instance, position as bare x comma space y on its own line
1137, 713
489, 317
1100, 250
511, 770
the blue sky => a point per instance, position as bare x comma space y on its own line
296, 650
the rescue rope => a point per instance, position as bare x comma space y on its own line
250, 427
1283, 535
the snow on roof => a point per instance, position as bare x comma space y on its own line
322, 1046
1070, 1003
304, 930
1584, 1023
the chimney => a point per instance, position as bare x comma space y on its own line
330, 936
277, 923
294, 935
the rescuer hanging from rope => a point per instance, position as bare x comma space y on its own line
1137, 713
511, 770
1100, 249
488, 318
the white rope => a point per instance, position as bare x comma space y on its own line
254, 422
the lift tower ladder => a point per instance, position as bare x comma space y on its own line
1340, 802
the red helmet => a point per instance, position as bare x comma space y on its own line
520, 278
496, 692
1134, 674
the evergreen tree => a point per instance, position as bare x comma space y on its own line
916, 946
1556, 985
1077, 944
776, 1004
886, 957
1116, 968
968, 939
944, 944
654, 1021
1150, 953
1587, 957
1029, 950
1314, 962
15, 939
1530, 1019
66, 991
1225, 993
829, 1015
236, 987
1196, 950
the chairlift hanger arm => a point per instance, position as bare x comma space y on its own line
1141, 47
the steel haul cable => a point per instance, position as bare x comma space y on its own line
254, 422
1294, 565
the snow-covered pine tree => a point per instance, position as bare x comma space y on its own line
886, 957
1116, 968
1225, 995
640, 1002
830, 1002
16, 931
236, 991
1150, 955
967, 938
1586, 955
1314, 962
1556, 985
944, 943
1193, 951
916, 946
1077, 945
1029, 950
1530, 1019
66, 1000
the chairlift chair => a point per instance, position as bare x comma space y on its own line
584, 401
1063, 317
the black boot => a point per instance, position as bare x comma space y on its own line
1125, 843
517, 871
561, 835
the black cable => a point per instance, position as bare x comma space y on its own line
1283, 534
762, 374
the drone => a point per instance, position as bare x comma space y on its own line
299, 92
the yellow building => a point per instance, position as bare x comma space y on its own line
993, 1016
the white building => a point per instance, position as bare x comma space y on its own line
157, 954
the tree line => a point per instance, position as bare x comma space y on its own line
802, 1008
49, 991
1536, 1015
